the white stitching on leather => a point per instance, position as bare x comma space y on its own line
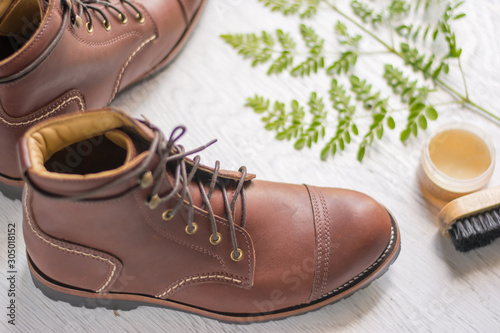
57, 108
66, 249
122, 71
366, 270
203, 277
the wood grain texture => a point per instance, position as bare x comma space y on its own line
478, 202
430, 288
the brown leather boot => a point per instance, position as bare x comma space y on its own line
116, 215
59, 56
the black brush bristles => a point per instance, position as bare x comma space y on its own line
476, 231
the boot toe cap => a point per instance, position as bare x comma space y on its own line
359, 233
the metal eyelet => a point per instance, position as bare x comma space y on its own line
192, 232
167, 215
141, 18
107, 25
90, 28
239, 257
153, 202
146, 179
123, 18
215, 242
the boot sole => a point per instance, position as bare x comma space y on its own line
121, 301
12, 188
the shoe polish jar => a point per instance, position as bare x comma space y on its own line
456, 160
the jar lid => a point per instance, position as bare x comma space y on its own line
459, 158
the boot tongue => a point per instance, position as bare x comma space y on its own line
19, 20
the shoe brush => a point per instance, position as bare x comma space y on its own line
473, 220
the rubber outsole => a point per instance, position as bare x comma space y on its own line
11, 192
120, 301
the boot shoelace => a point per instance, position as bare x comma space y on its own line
78, 8
170, 153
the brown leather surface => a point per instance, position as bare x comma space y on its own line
299, 242
82, 266
84, 70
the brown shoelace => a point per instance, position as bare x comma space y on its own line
173, 156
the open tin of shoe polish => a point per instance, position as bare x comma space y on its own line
456, 160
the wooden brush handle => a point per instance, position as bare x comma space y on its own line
468, 205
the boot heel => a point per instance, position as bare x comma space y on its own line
68, 295
11, 192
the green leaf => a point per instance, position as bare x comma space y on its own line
347, 137
341, 144
378, 117
405, 135
354, 129
282, 135
391, 123
334, 149
414, 129
422, 122
361, 153
417, 107
300, 143
434, 35
324, 153
431, 113
380, 132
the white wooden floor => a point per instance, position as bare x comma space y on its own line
430, 288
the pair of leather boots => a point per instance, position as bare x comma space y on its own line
117, 214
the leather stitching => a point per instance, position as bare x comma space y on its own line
323, 241
195, 279
47, 240
318, 245
366, 270
327, 247
108, 42
51, 110
122, 71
